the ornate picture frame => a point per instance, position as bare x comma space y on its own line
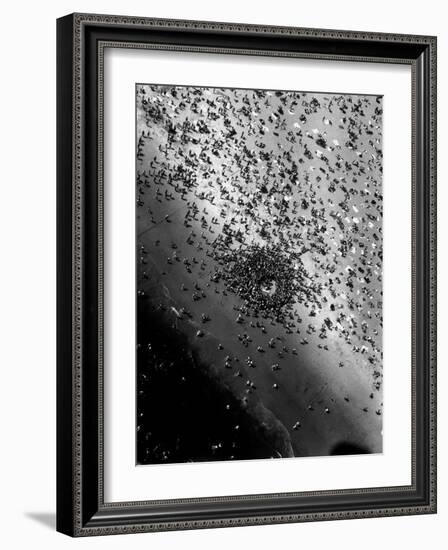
81, 506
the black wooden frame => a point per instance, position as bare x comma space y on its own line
81, 39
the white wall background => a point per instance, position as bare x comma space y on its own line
27, 272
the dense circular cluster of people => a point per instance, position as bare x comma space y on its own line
268, 280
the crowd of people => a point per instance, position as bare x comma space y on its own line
282, 191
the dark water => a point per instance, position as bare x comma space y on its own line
183, 414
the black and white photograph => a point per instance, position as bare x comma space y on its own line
259, 263
222, 241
